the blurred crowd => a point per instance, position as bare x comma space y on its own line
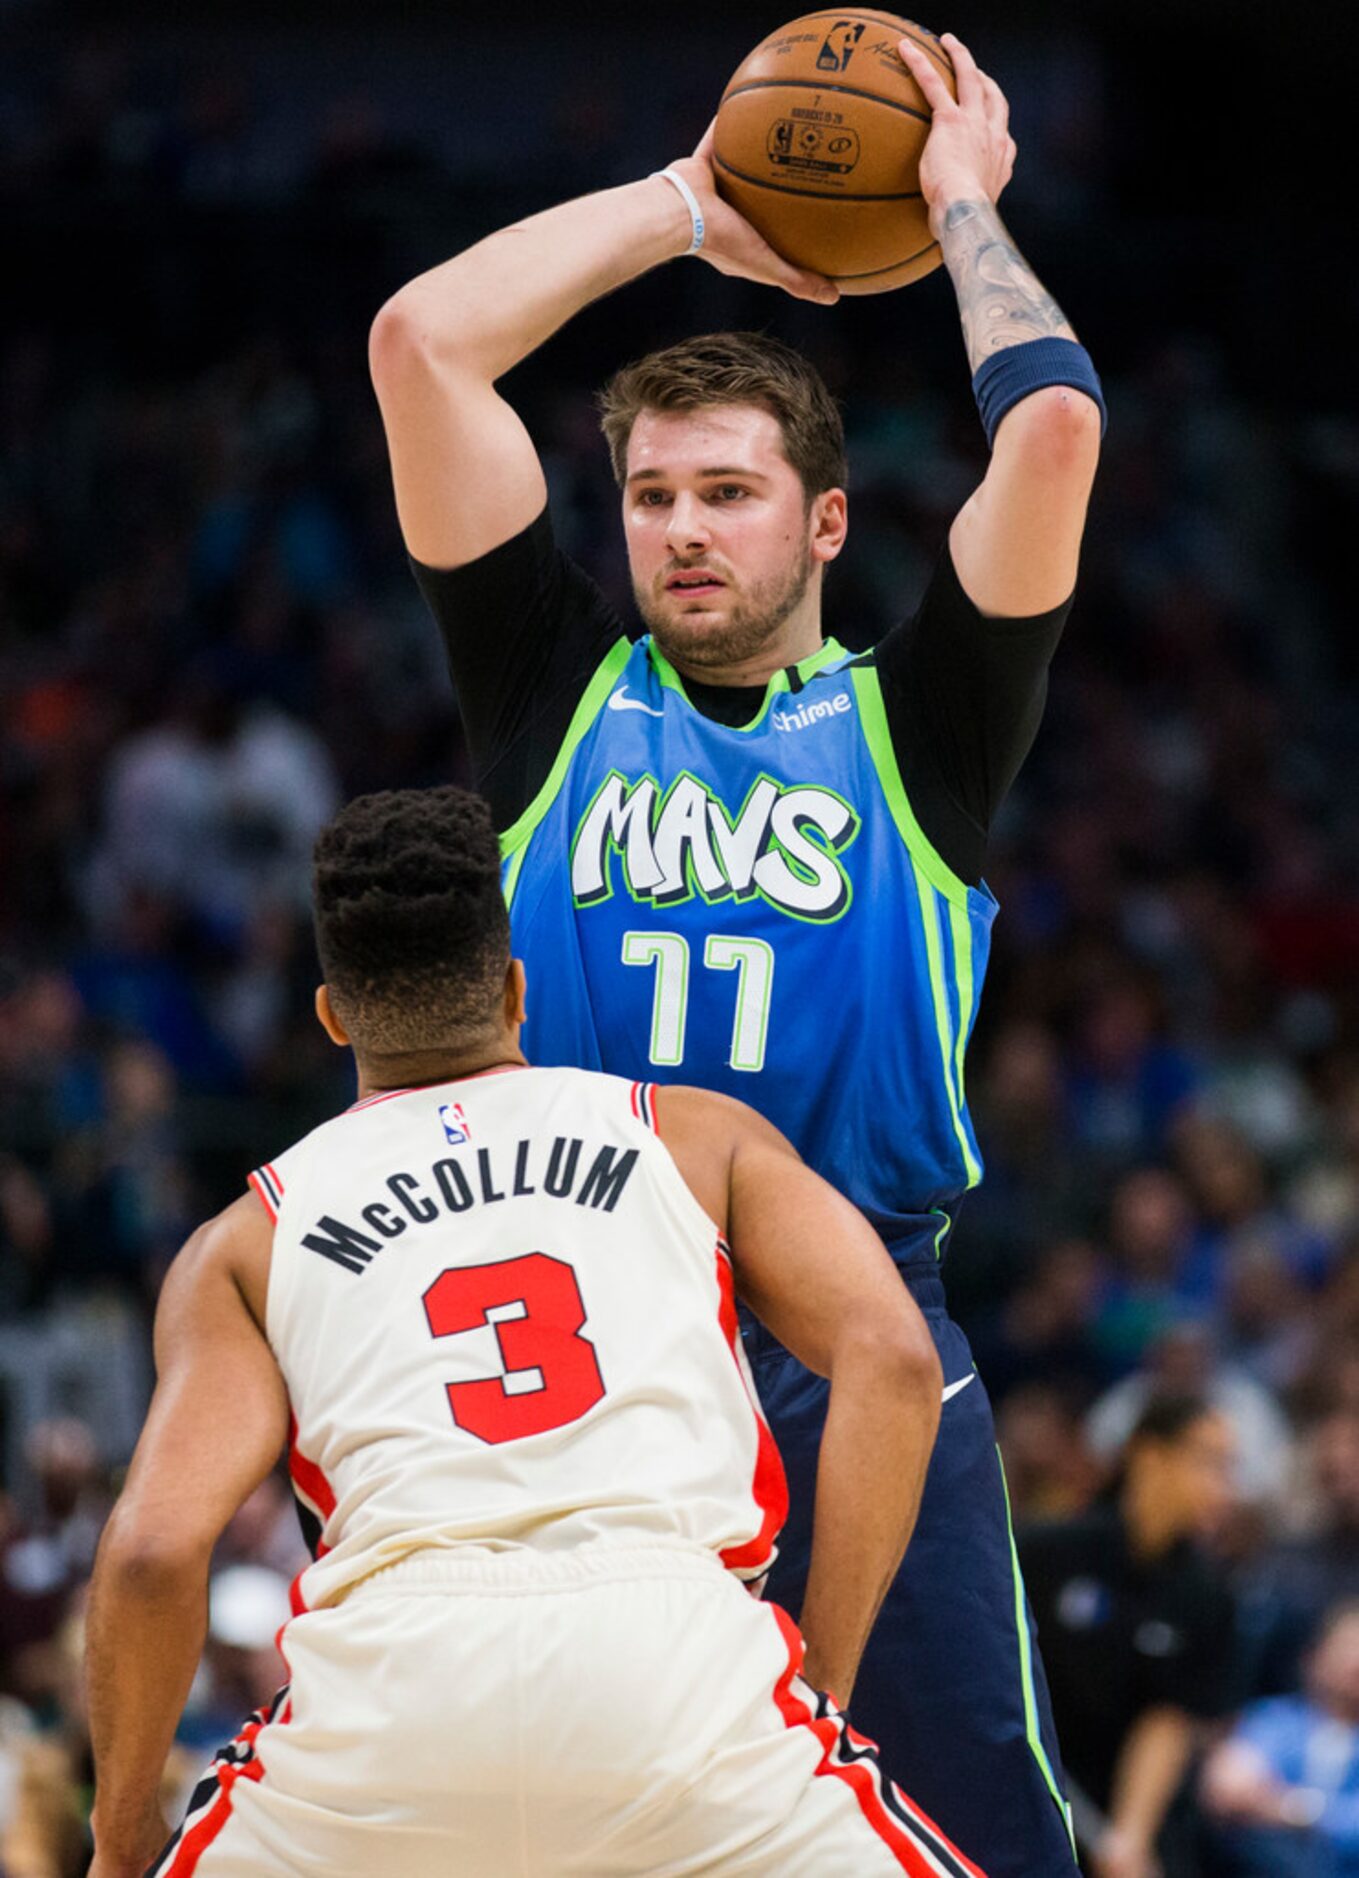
209, 638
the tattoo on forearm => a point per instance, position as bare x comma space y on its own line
1001, 300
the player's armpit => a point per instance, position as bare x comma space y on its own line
806, 1261
1016, 541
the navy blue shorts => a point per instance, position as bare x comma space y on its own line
951, 1686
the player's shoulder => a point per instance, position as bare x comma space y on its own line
227, 1254
682, 1107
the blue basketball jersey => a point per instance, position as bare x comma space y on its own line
757, 911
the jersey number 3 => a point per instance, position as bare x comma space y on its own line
534, 1305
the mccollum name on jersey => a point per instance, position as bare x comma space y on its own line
452, 1185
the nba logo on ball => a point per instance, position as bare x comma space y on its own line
838, 49
455, 1123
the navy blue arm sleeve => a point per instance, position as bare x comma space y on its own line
964, 697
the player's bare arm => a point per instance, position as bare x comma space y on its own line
217, 1424
466, 473
813, 1270
1016, 542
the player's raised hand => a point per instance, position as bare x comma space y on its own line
969, 155
732, 246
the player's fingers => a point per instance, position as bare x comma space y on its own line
997, 104
741, 250
925, 73
964, 71
704, 146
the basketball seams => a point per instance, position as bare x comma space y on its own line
812, 84
905, 261
816, 195
905, 29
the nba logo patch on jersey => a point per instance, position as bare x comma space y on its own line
455, 1123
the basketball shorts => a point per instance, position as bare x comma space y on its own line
599, 1712
951, 1686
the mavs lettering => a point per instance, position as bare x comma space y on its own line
783, 845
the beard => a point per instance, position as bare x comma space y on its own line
747, 628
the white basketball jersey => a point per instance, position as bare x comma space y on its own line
504, 1320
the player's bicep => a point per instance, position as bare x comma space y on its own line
1016, 542
219, 1416
464, 468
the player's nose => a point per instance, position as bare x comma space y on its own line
688, 525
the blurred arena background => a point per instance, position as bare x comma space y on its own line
209, 638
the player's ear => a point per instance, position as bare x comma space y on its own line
514, 993
325, 1016
830, 524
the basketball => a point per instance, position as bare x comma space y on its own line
818, 143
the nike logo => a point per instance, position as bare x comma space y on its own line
954, 1388
620, 701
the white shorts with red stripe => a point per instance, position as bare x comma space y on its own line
606, 1712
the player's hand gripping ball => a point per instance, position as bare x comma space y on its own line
817, 144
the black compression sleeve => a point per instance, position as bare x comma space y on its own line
524, 629
964, 696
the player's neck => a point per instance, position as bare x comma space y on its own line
413, 1069
798, 638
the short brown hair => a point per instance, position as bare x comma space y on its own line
733, 368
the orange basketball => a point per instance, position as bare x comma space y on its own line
818, 145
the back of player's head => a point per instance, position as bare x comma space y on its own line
411, 924
733, 368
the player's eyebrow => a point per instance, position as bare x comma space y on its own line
722, 469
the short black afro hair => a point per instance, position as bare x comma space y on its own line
411, 925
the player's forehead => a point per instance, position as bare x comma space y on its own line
691, 443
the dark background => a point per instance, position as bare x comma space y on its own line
208, 638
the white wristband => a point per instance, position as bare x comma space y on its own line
690, 203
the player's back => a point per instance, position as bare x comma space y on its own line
504, 1320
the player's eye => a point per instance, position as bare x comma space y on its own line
730, 492
651, 498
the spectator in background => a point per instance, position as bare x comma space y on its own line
1150, 1232
1285, 1783
1137, 1632
1293, 1582
1185, 1359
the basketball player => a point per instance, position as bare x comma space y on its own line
746, 858
494, 1306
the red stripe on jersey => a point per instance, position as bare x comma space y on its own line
649, 1106
632, 1098
390, 1095
383, 1095
272, 1172
770, 1485
308, 1479
203, 1831
195, 1842
262, 1194
921, 1860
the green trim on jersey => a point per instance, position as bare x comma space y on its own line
873, 716
1031, 1728
814, 662
950, 1047
961, 927
514, 841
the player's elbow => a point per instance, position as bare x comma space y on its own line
1057, 430
893, 1352
399, 342
145, 1557
411, 341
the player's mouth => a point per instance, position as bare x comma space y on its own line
695, 583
